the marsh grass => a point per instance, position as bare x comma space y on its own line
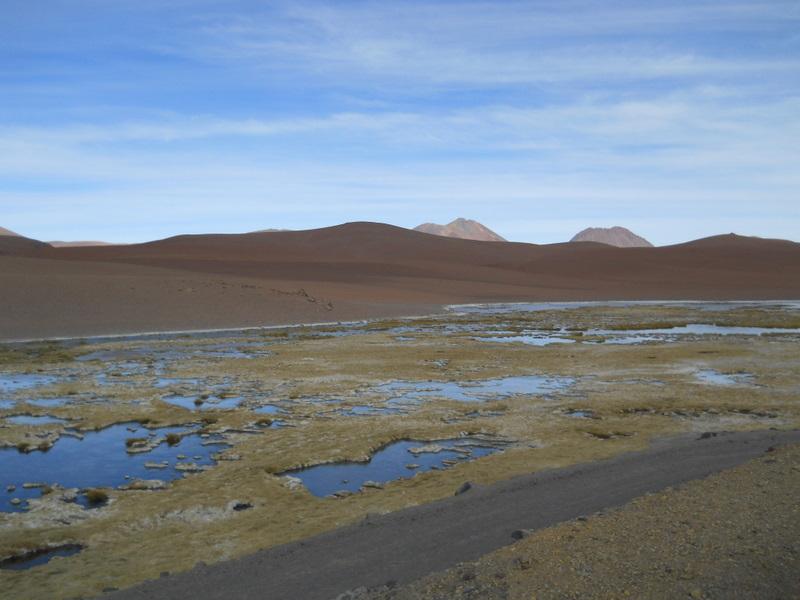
96, 496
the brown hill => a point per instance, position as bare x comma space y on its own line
358, 270
4, 231
613, 236
13, 244
465, 229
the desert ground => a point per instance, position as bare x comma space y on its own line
354, 271
244, 441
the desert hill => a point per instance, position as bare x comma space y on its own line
13, 244
357, 270
465, 229
613, 236
4, 231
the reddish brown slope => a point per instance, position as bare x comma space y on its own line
17, 245
723, 266
364, 269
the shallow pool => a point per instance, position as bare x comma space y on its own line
712, 377
413, 392
11, 382
392, 462
38, 557
99, 460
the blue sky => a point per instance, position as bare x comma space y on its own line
128, 121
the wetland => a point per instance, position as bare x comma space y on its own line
115, 450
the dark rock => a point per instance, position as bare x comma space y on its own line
465, 487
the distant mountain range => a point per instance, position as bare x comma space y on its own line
465, 229
60, 244
16, 241
354, 271
613, 236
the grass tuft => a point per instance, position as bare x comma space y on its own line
96, 496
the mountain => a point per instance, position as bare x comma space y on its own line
4, 231
465, 229
613, 236
354, 271
14, 244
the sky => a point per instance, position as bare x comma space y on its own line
130, 120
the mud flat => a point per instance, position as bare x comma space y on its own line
235, 416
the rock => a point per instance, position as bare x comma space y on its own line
341, 494
426, 449
372, 484
239, 506
707, 434
145, 484
226, 456
180, 456
354, 594
155, 465
293, 483
523, 564
411, 466
464, 487
143, 446
464, 451
520, 534
16, 501
30, 486
11, 488
190, 467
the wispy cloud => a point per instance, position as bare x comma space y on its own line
501, 43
